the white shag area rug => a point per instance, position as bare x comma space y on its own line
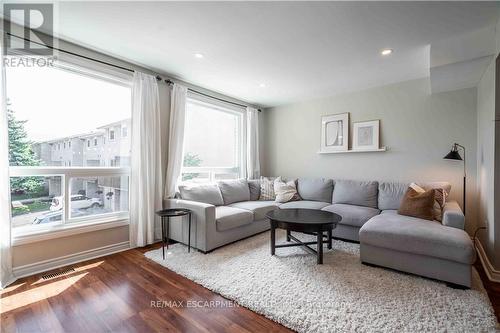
342, 295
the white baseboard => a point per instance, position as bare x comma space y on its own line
492, 273
47, 265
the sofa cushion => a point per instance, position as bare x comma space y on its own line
254, 187
352, 215
414, 235
390, 195
315, 189
208, 193
230, 217
234, 190
259, 208
353, 192
307, 204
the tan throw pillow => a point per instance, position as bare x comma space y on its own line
440, 195
285, 191
419, 205
267, 189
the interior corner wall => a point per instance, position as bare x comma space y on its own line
488, 160
496, 250
419, 129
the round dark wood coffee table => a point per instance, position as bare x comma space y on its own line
306, 221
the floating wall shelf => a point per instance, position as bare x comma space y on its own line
354, 151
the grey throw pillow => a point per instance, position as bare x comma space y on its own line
208, 193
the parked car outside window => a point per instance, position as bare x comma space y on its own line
48, 218
78, 201
51, 217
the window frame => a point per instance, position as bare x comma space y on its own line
71, 226
242, 128
68, 222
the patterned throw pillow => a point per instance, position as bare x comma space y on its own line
439, 199
267, 188
285, 191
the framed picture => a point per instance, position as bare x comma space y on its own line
334, 132
366, 135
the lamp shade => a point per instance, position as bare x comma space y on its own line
453, 155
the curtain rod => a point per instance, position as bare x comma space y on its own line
158, 77
170, 82
77, 55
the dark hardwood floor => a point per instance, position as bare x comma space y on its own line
122, 292
125, 292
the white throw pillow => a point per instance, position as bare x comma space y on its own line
285, 191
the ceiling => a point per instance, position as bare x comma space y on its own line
298, 50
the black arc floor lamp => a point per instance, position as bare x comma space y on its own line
455, 155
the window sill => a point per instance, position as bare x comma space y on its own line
65, 230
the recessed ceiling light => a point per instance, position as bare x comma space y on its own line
262, 85
386, 51
198, 55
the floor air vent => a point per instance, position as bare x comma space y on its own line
56, 274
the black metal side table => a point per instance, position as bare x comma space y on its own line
165, 215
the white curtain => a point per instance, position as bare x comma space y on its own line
175, 138
253, 162
5, 232
146, 175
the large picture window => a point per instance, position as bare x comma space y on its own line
214, 146
63, 170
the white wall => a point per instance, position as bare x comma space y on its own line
486, 157
488, 161
418, 127
37, 252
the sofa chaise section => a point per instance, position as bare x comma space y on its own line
421, 247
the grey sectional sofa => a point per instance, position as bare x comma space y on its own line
231, 210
